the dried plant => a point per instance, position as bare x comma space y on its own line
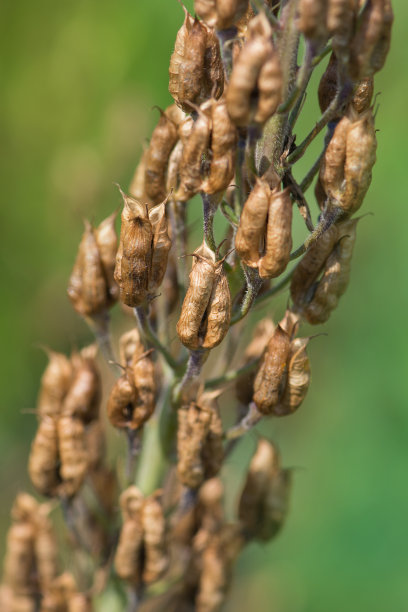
160, 537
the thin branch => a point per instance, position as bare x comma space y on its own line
151, 338
231, 376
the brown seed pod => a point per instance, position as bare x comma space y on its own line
137, 185
278, 243
252, 223
197, 297
134, 255
332, 168
193, 427
163, 140
335, 278
190, 169
220, 14
55, 383
83, 398
13, 602
218, 314
129, 343
79, 602
213, 449
25, 508
195, 66
46, 549
255, 74
310, 266
87, 288
145, 387
107, 242
312, 20
59, 593
156, 558
341, 16
270, 378
43, 461
161, 245
121, 401
371, 42
260, 338
224, 139
19, 560
73, 454
298, 378
128, 556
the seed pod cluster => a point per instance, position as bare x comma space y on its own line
141, 555
68, 401
144, 245
92, 288
30, 563
220, 14
264, 239
199, 440
263, 505
371, 42
345, 173
315, 298
196, 70
132, 398
320, 19
206, 310
255, 87
283, 376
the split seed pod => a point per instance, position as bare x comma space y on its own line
345, 173
371, 42
195, 66
252, 223
255, 87
278, 243
128, 556
298, 379
91, 287
271, 375
73, 455
54, 384
220, 14
156, 558
121, 401
83, 397
224, 137
43, 461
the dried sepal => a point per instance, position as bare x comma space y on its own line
251, 230
298, 379
220, 14
371, 42
278, 242
133, 259
73, 455
255, 87
83, 397
44, 458
195, 66
55, 383
163, 140
156, 558
270, 377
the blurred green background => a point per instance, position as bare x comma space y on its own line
79, 80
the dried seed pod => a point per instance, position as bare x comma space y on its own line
54, 384
25, 508
371, 42
312, 20
255, 86
134, 255
128, 557
19, 559
252, 223
161, 245
83, 398
87, 288
310, 266
220, 14
59, 593
224, 137
332, 168
275, 505
46, 549
73, 454
270, 378
218, 314
173, 168
145, 387
137, 186
193, 427
43, 461
213, 449
121, 401
163, 140
195, 66
341, 15
335, 278
298, 378
197, 297
13, 602
107, 242
79, 602
260, 338
278, 243
154, 531
194, 149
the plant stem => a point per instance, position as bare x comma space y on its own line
329, 216
232, 375
210, 205
151, 338
225, 38
178, 218
253, 285
99, 324
195, 363
275, 289
249, 421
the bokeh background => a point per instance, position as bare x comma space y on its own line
79, 80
